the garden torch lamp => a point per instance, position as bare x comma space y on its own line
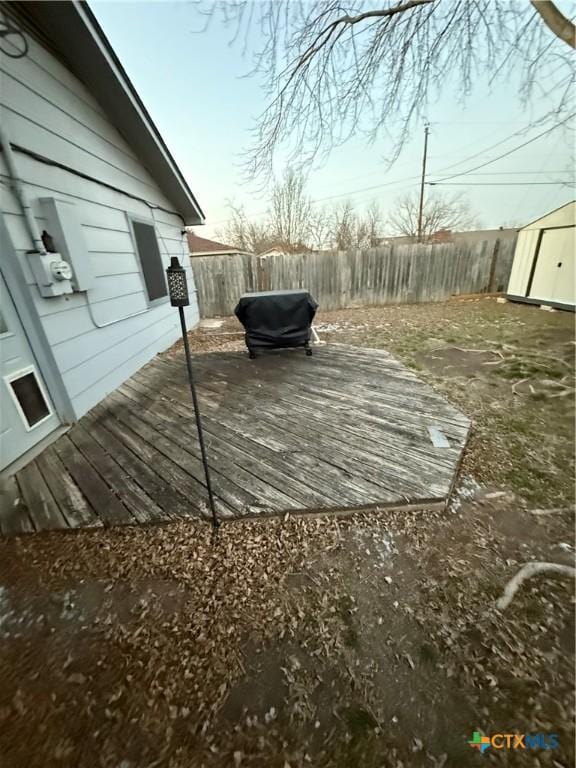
178, 290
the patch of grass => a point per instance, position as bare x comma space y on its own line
350, 634
522, 441
359, 721
428, 653
519, 426
350, 637
362, 747
536, 446
539, 397
526, 369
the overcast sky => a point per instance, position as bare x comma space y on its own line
193, 86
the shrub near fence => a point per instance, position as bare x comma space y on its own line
339, 279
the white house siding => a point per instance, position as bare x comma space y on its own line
44, 108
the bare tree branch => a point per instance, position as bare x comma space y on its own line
348, 229
244, 234
288, 224
556, 21
440, 212
526, 572
332, 69
294, 225
291, 212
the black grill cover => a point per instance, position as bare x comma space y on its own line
276, 318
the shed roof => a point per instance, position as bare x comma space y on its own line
531, 224
71, 31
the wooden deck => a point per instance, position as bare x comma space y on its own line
349, 428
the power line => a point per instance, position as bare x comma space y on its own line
522, 198
520, 173
450, 153
386, 184
489, 148
366, 189
498, 183
352, 192
465, 146
331, 197
510, 151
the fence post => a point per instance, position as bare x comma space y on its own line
260, 273
491, 280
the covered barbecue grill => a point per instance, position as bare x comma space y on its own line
275, 319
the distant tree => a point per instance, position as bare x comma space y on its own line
288, 223
440, 212
373, 221
319, 230
332, 69
291, 212
244, 234
349, 229
343, 226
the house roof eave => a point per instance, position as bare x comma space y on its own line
75, 34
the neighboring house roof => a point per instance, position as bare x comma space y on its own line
202, 246
478, 235
471, 237
279, 248
71, 31
397, 239
270, 251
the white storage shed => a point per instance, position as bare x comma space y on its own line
543, 267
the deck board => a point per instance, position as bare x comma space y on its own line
101, 496
127, 454
138, 503
345, 429
261, 462
42, 507
74, 505
15, 518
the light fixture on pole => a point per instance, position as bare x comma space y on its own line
178, 290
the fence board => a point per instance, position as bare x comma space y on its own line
390, 274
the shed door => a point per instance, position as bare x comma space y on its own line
564, 246
26, 411
554, 274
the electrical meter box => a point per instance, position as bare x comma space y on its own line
64, 228
52, 274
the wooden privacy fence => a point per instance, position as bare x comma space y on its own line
339, 279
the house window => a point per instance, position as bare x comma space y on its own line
150, 260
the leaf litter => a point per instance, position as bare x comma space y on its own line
372, 640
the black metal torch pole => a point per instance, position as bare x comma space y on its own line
215, 521
178, 291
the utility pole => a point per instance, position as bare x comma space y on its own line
421, 205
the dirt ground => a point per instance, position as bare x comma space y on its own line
369, 641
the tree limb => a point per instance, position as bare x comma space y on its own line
325, 34
556, 21
401, 8
528, 570
331, 69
